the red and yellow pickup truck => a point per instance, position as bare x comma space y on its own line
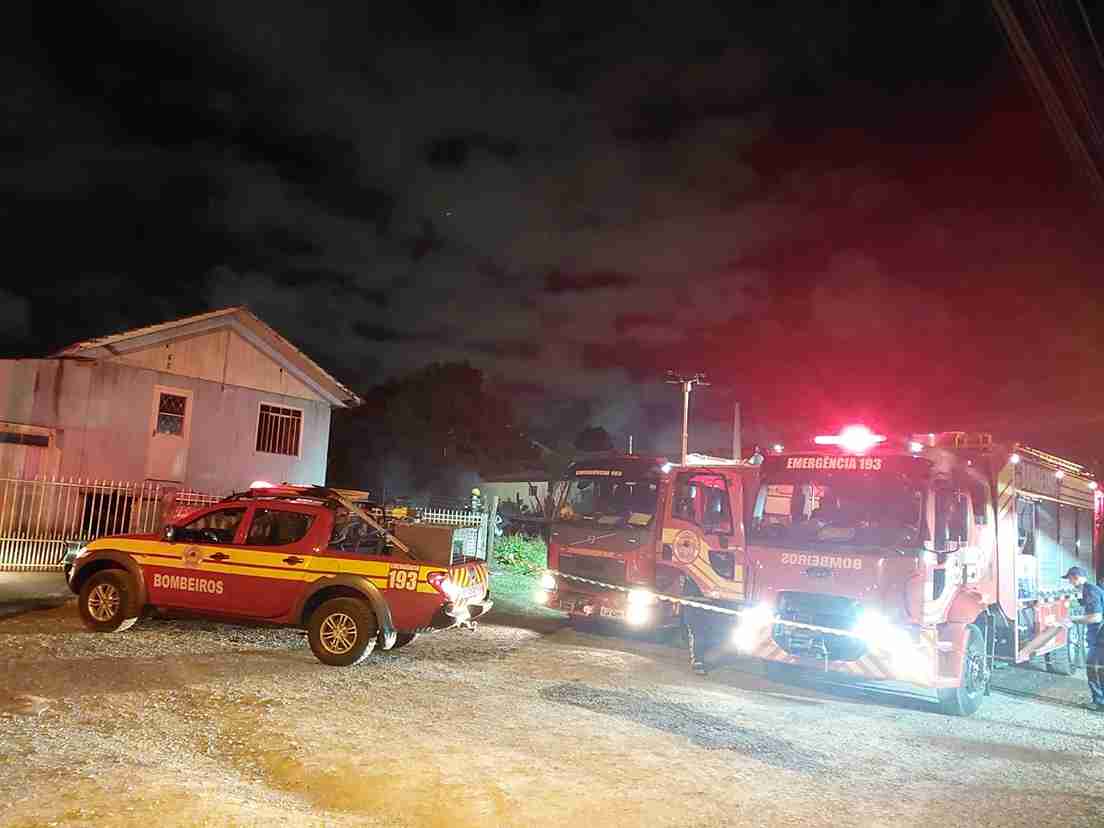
299, 556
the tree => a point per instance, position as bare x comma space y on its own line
432, 431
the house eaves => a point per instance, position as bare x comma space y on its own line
238, 319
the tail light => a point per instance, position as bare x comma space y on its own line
441, 582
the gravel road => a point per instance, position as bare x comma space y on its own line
517, 724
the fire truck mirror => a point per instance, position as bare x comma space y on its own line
722, 541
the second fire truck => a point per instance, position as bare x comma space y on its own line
644, 525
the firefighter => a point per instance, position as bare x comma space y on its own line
703, 631
1092, 600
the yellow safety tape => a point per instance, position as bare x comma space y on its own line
688, 602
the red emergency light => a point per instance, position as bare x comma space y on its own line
854, 438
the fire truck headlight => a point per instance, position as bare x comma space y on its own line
540, 597
641, 598
548, 582
758, 616
877, 631
637, 615
749, 629
910, 662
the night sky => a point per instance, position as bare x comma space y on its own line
837, 213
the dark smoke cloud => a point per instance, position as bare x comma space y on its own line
809, 207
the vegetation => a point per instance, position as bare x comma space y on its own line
430, 432
520, 554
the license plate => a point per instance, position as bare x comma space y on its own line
606, 612
567, 606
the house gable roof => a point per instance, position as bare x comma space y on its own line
238, 319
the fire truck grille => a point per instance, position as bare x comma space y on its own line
606, 570
823, 611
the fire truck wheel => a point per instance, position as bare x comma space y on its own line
342, 631
107, 601
965, 699
1065, 660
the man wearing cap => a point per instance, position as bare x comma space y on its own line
1092, 601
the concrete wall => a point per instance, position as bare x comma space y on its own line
101, 412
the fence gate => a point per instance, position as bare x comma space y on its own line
41, 518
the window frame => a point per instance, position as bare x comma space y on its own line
12, 434
183, 416
189, 411
238, 532
709, 530
257, 429
310, 515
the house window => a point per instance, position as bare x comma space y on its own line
20, 439
279, 430
170, 414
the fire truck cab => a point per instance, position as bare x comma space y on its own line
922, 559
644, 525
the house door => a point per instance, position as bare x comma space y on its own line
170, 434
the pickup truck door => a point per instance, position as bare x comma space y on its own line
273, 563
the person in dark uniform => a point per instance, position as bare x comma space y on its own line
700, 626
1092, 600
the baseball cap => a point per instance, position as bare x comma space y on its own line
1075, 571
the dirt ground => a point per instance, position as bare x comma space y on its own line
523, 722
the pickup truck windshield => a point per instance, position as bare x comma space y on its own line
610, 501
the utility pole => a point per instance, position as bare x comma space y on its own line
687, 384
737, 448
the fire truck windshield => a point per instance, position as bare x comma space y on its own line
880, 509
610, 501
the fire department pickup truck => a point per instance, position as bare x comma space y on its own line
295, 556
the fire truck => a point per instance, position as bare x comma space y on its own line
924, 560
626, 527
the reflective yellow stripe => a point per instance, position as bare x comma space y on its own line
262, 563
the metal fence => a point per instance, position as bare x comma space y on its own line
41, 518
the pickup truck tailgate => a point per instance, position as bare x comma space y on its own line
473, 580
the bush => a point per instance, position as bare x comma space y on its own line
521, 554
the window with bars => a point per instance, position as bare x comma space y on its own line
20, 439
171, 410
279, 430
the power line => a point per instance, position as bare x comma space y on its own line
1048, 95
1064, 59
1092, 34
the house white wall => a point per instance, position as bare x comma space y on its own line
221, 356
100, 413
514, 491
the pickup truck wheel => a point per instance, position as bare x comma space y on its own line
342, 631
107, 601
965, 699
